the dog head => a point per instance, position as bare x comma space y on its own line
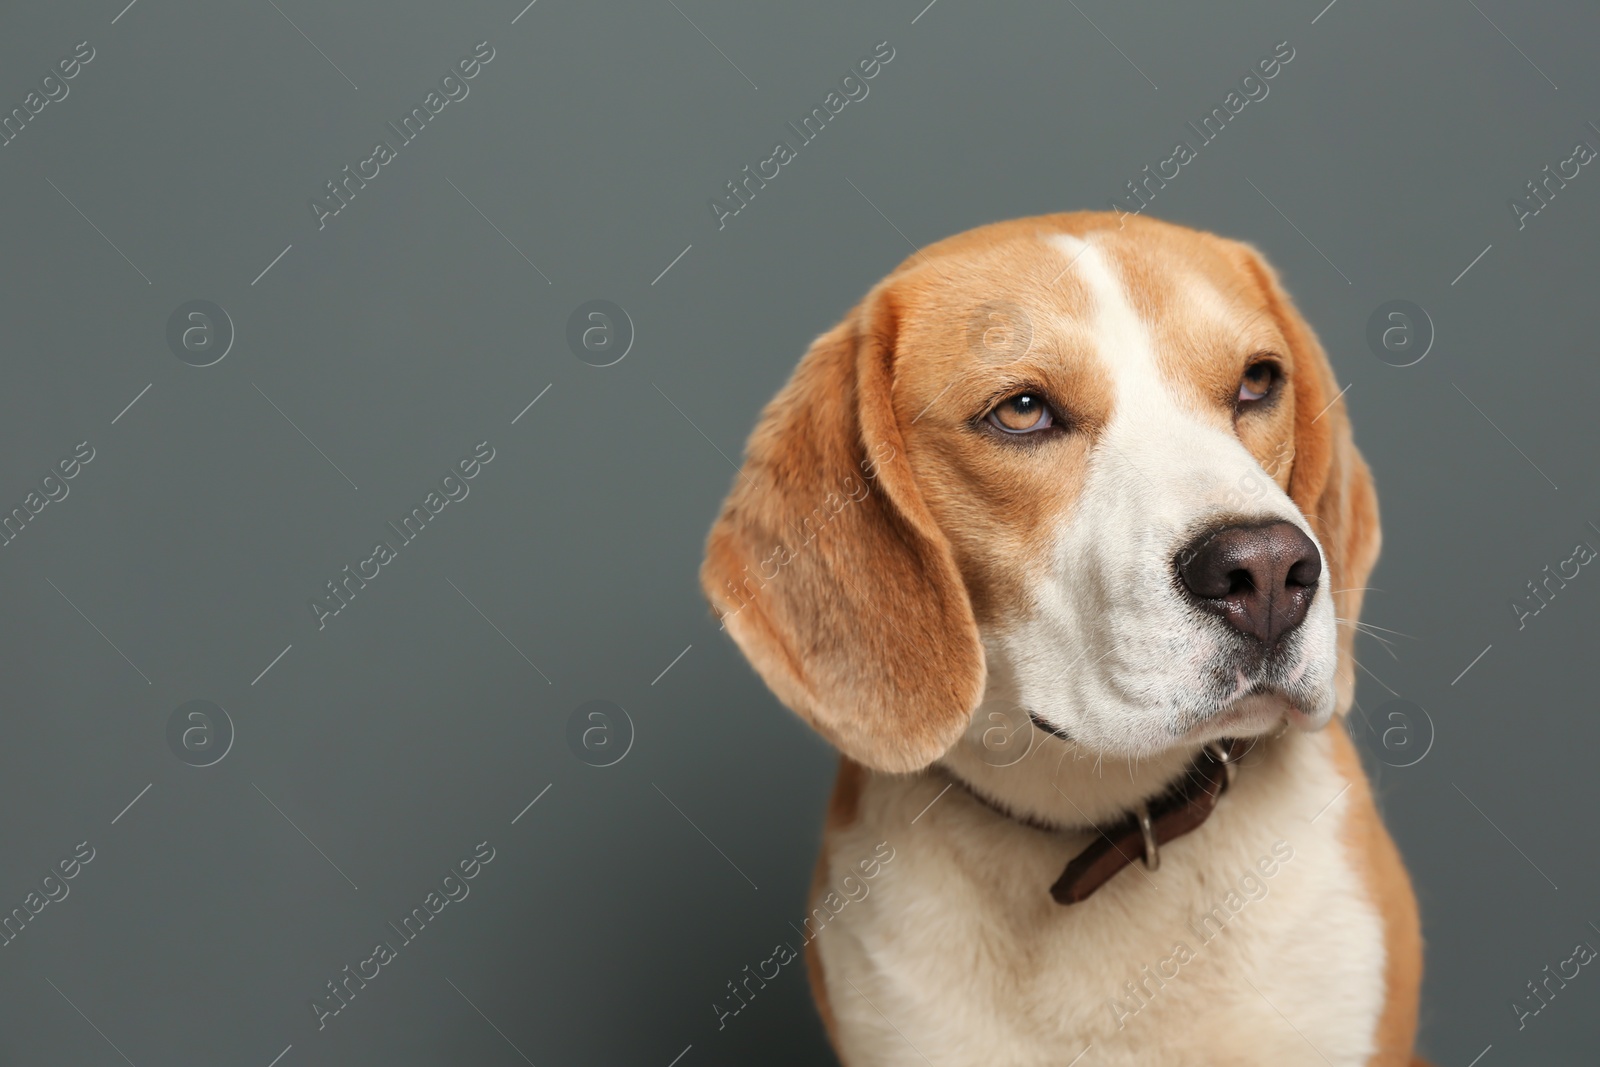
1097, 470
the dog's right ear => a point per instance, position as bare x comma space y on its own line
828, 569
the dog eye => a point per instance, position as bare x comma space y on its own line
1257, 383
1023, 413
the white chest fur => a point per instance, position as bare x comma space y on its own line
1255, 942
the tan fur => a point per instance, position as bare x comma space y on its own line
1374, 855
877, 622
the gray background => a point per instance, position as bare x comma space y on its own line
380, 750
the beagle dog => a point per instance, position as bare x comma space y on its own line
1060, 537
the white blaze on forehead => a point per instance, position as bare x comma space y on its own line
1123, 341
1146, 408
1155, 434
1071, 244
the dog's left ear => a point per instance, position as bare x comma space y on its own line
1329, 481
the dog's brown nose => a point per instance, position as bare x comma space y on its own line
1260, 578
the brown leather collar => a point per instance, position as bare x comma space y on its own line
1140, 833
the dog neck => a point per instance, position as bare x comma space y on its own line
1046, 781
1183, 807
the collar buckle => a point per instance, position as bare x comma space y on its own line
1152, 851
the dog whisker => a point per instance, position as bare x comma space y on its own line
1385, 629
1388, 646
1374, 677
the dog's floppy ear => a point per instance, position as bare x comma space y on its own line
828, 569
1329, 481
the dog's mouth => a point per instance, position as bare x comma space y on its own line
1280, 687
1258, 709
1230, 700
